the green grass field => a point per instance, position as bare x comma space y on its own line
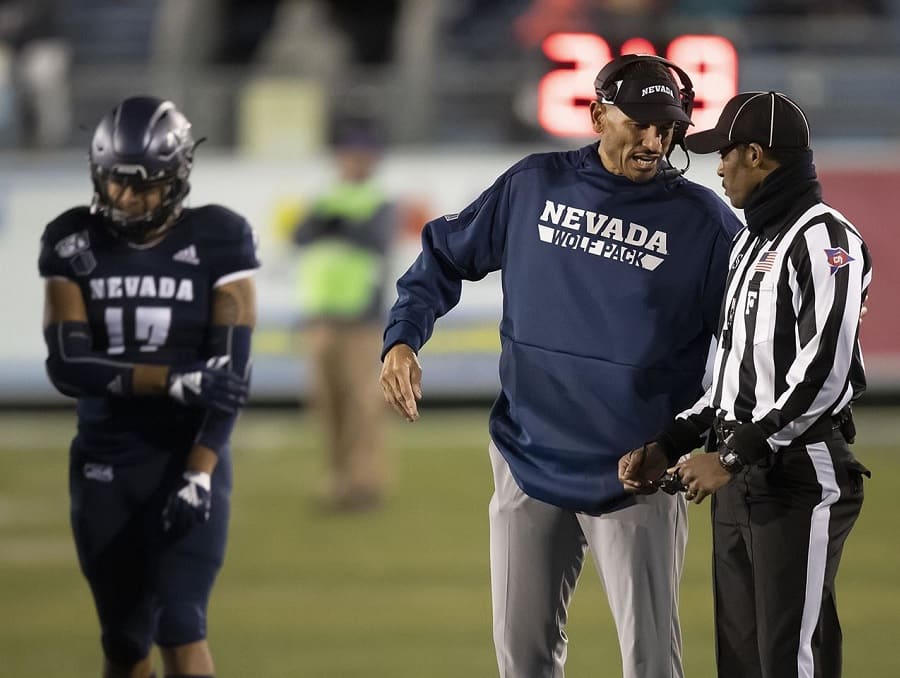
400, 593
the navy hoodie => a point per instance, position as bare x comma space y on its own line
611, 294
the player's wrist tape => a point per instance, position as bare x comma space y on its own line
182, 382
201, 478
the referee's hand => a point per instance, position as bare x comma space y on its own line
641, 467
701, 475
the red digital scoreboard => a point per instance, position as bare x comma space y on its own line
564, 93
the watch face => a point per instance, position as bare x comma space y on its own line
731, 461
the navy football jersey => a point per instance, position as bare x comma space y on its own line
147, 304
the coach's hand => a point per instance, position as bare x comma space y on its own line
211, 385
401, 380
640, 468
188, 504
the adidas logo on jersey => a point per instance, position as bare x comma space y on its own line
188, 255
115, 386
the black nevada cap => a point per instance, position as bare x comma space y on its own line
648, 101
768, 118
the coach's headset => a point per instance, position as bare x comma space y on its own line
605, 87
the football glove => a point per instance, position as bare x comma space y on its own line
188, 504
210, 385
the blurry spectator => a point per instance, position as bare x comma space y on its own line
34, 65
221, 32
476, 30
818, 7
345, 240
704, 9
244, 26
369, 27
544, 17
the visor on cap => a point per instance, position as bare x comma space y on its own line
768, 118
648, 101
708, 141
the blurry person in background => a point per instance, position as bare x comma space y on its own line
243, 27
369, 27
613, 268
149, 310
35, 110
345, 240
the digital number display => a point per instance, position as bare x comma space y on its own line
565, 93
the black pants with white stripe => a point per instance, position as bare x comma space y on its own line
778, 534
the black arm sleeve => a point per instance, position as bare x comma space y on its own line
76, 370
234, 342
685, 433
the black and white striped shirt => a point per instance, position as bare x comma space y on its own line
788, 350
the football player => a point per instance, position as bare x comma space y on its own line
149, 310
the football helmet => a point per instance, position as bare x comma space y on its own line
143, 142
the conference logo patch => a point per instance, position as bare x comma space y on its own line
838, 258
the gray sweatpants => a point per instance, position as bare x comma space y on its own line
537, 552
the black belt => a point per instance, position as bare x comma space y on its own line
823, 429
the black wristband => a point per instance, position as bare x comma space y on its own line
751, 443
679, 438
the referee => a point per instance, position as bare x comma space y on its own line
788, 365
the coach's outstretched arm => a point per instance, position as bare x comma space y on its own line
455, 247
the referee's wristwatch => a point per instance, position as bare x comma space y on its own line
729, 459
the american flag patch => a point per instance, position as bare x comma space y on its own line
766, 262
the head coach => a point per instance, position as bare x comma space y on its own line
613, 267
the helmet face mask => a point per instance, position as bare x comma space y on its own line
143, 143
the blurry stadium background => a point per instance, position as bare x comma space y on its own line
462, 89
